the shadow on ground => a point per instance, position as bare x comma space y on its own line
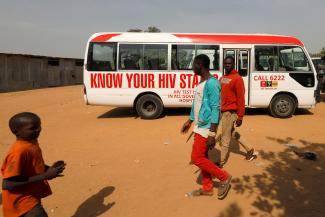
121, 112
264, 111
233, 210
176, 112
289, 185
95, 205
322, 97
301, 111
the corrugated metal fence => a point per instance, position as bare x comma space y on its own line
24, 72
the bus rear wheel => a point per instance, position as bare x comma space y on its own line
149, 106
282, 106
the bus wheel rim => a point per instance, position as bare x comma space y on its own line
149, 107
283, 106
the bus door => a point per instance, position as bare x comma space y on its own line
242, 64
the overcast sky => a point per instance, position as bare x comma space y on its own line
61, 28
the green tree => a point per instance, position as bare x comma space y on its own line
149, 29
322, 52
153, 29
135, 30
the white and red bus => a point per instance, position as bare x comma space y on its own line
152, 71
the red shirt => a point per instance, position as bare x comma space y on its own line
233, 93
24, 159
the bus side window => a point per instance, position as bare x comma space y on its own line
212, 51
182, 56
258, 66
102, 66
266, 58
174, 62
242, 64
130, 56
102, 57
271, 64
216, 59
281, 64
156, 56
294, 59
129, 64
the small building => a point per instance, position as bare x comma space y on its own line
25, 72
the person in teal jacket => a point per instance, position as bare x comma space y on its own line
205, 115
210, 107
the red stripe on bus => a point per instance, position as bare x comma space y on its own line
244, 39
103, 38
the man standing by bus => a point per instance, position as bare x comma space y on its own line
205, 114
232, 110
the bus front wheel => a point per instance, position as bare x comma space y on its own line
149, 106
282, 106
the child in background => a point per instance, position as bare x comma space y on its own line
24, 173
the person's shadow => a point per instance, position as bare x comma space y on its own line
95, 206
234, 147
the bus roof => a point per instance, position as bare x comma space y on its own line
195, 38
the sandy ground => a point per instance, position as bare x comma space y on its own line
122, 166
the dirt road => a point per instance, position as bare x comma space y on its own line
119, 165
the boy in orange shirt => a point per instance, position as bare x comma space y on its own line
24, 173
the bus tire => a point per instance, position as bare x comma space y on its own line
282, 106
149, 106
